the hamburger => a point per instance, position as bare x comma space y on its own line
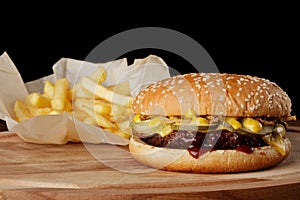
211, 123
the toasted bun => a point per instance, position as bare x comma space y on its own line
218, 161
213, 94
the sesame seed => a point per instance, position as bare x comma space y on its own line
180, 81
237, 94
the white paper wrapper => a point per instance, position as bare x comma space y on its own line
64, 128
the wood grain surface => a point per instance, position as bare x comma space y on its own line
86, 171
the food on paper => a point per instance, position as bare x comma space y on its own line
88, 100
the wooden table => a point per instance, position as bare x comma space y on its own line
85, 171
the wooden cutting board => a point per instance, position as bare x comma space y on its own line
85, 171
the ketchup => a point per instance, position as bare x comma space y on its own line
196, 152
245, 149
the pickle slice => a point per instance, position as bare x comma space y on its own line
280, 129
276, 141
190, 127
264, 131
148, 127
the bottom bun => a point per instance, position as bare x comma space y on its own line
217, 161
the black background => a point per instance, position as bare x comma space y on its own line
261, 40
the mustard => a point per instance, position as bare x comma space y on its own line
166, 131
190, 113
137, 118
252, 124
199, 121
233, 122
156, 122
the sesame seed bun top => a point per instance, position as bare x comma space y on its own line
213, 94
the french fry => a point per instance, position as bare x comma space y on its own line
21, 111
104, 93
80, 114
68, 106
79, 92
121, 88
48, 89
70, 95
100, 119
119, 132
55, 112
124, 126
36, 111
90, 121
117, 110
60, 94
84, 117
99, 106
37, 100
99, 76
116, 119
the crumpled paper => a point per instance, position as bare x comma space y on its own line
64, 128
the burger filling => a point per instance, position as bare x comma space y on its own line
200, 134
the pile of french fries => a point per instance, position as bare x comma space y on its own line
89, 101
